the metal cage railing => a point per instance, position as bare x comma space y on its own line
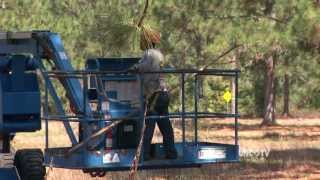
83, 116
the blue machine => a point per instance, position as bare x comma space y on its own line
104, 93
19, 111
20, 103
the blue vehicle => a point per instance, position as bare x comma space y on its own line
107, 103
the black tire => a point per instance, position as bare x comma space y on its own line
29, 163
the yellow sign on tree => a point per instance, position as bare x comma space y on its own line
227, 96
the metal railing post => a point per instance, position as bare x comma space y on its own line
143, 105
236, 108
46, 112
183, 111
196, 99
57, 102
85, 88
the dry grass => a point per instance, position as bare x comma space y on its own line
290, 150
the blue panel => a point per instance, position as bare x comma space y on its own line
28, 46
112, 94
9, 174
112, 64
4, 63
30, 85
119, 78
18, 68
20, 97
121, 109
21, 103
106, 159
25, 125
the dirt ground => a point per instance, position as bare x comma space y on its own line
290, 150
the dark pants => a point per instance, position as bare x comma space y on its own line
158, 106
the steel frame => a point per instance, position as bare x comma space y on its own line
183, 115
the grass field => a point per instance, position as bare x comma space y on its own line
290, 150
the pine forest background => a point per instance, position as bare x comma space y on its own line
275, 44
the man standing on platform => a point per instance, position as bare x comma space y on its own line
155, 94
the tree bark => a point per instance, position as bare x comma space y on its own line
286, 98
269, 101
286, 92
259, 87
269, 107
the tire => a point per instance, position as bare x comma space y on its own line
29, 163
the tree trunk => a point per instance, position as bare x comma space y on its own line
286, 92
269, 107
286, 98
269, 101
259, 87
